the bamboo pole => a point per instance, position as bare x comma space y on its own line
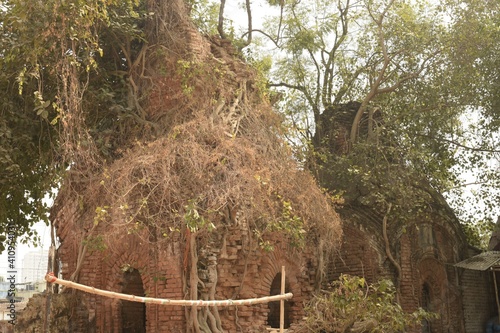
162, 301
282, 301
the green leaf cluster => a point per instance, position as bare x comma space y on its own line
427, 67
194, 220
351, 304
289, 224
42, 45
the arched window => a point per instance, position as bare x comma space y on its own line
133, 313
426, 305
273, 319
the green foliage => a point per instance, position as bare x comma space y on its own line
26, 142
194, 220
95, 243
290, 224
474, 49
425, 66
478, 233
205, 15
44, 44
188, 71
375, 174
193, 74
101, 214
263, 65
351, 303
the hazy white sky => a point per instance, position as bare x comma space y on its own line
23, 249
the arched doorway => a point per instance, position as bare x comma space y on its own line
426, 305
273, 318
133, 314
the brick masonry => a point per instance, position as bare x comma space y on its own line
477, 296
426, 248
426, 251
243, 269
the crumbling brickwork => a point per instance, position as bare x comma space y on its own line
424, 248
425, 251
244, 270
361, 255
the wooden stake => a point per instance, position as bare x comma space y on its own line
282, 301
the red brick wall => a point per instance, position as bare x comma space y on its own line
244, 270
428, 251
360, 255
425, 252
261, 269
410, 290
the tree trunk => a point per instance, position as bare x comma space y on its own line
389, 254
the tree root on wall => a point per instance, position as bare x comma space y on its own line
205, 319
389, 254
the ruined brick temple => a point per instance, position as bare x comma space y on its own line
208, 204
426, 248
239, 270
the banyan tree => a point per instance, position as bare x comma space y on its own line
177, 181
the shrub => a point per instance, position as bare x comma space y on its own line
350, 304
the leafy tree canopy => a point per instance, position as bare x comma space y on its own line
41, 42
425, 74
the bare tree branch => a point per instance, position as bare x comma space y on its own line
249, 30
476, 149
388, 252
375, 86
275, 41
301, 89
465, 185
